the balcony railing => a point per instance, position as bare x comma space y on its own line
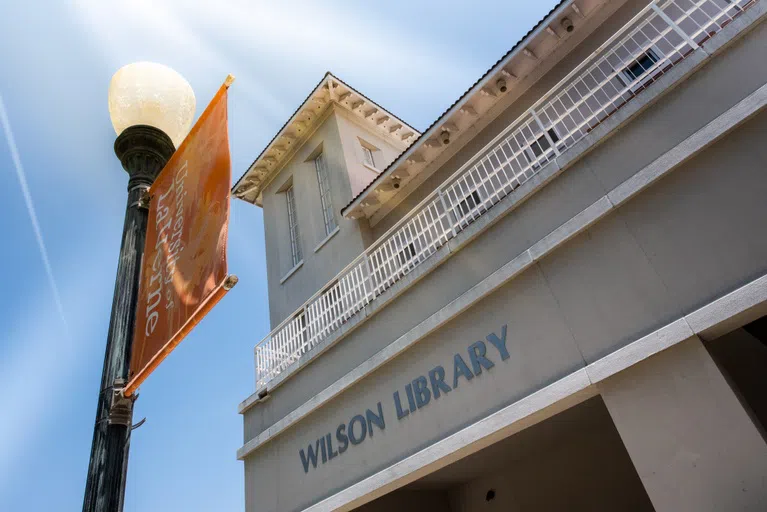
656, 39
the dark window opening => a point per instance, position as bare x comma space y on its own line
333, 299
540, 146
406, 254
302, 326
641, 65
468, 204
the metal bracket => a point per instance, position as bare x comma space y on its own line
230, 281
143, 203
121, 408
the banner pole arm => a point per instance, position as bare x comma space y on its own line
229, 282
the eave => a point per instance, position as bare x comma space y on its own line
481, 99
331, 92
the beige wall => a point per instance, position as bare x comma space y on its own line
351, 132
622, 278
321, 266
691, 441
339, 136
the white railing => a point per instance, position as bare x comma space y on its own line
656, 39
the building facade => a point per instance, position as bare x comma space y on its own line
552, 298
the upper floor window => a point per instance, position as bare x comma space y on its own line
535, 153
295, 242
367, 153
640, 66
323, 179
370, 154
467, 205
406, 254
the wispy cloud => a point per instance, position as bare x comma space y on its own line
22, 177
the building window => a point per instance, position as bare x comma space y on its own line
367, 153
295, 242
538, 148
406, 254
640, 66
468, 204
332, 302
327, 205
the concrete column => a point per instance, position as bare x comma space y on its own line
692, 443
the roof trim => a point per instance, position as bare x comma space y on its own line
482, 82
282, 129
325, 94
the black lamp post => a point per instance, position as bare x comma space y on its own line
150, 100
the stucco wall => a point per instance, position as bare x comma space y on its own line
689, 238
318, 267
685, 226
351, 132
691, 441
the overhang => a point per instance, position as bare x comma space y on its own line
507, 74
329, 93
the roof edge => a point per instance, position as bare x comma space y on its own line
329, 82
481, 83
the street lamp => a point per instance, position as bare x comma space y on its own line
151, 107
151, 94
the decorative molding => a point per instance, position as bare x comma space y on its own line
143, 151
329, 93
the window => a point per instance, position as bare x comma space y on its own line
367, 153
295, 242
332, 303
538, 148
640, 66
406, 254
301, 333
327, 205
468, 204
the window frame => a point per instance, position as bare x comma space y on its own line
632, 82
537, 161
368, 157
294, 233
326, 200
463, 208
406, 254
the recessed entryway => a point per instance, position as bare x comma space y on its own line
572, 461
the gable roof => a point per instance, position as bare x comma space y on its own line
330, 91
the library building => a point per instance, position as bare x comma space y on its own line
553, 298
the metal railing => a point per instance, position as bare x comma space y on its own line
657, 38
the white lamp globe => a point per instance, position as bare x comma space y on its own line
151, 94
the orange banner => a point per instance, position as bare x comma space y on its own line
184, 272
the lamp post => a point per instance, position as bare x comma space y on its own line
151, 107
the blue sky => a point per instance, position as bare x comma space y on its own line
63, 208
